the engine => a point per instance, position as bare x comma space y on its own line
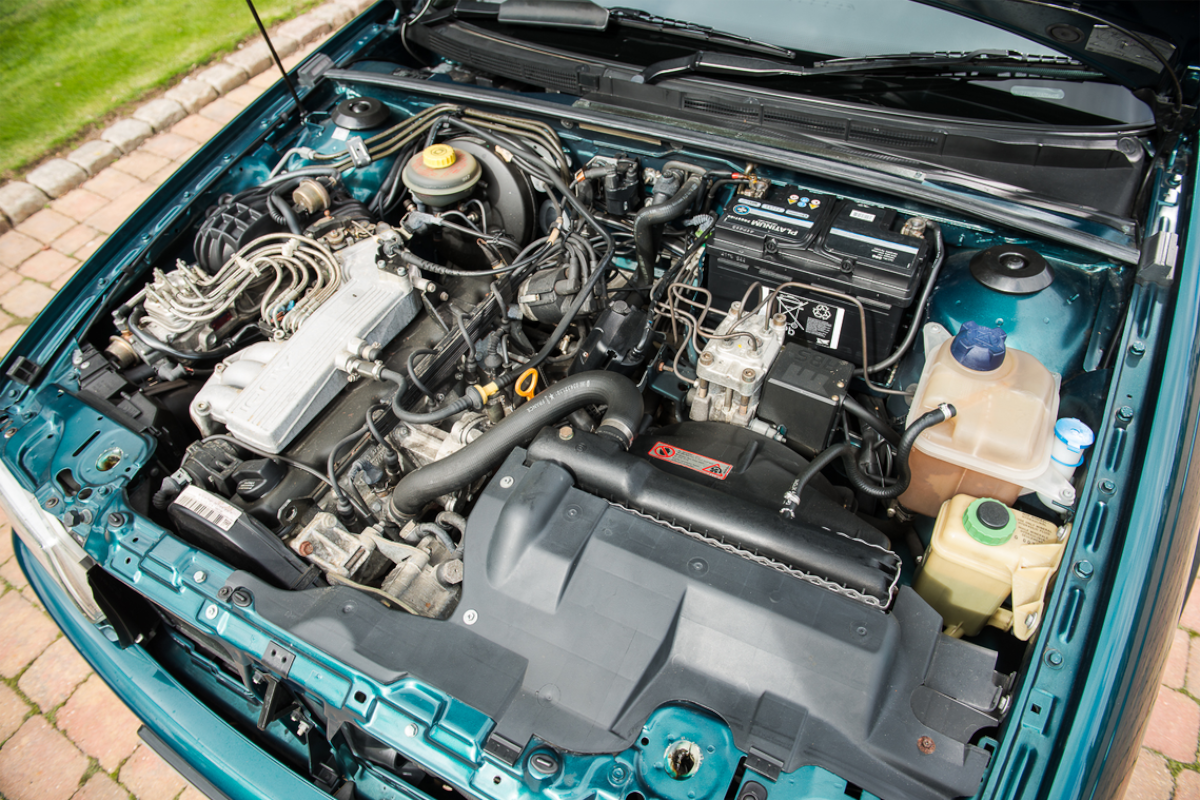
485, 370
694, 341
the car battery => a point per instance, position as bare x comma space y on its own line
794, 235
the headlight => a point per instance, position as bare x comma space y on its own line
50, 542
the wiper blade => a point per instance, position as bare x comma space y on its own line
584, 15
725, 64
636, 18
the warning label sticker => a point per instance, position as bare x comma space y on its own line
686, 458
820, 321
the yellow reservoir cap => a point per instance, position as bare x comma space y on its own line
438, 156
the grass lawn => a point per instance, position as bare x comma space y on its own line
65, 64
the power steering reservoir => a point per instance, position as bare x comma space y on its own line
441, 175
981, 552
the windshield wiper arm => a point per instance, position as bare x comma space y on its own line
584, 15
636, 18
725, 64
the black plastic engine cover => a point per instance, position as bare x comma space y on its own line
587, 617
751, 467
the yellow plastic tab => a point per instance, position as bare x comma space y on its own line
438, 156
529, 376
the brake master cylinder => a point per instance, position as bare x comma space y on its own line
441, 175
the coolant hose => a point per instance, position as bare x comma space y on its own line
923, 423
463, 467
645, 221
826, 457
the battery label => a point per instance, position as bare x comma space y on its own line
694, 461
820, 321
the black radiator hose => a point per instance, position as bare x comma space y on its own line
923, 423
645, 221
459, 469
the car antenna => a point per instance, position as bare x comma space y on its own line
286, 78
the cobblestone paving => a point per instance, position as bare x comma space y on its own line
63, 734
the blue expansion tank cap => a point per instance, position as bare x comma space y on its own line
979, 348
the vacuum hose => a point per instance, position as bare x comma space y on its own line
463, 467
861, 483
645, 221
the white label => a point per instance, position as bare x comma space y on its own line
864, 216
1040, 92
209, 506
339, 134
819, 321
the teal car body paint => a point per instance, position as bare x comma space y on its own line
534, 412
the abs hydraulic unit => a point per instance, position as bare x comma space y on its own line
790, 234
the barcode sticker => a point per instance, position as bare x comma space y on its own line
209, 506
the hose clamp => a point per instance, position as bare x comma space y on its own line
621, 428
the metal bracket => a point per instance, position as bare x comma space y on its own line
358, 151
278, 659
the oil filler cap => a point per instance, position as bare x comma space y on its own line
989, 521
979, 348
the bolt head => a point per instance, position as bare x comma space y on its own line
200, 576
748, 374
210, 612
926, 745
306, 548
1137, 349
506, 482
470, 616
706, 358
1031, 620
116, 520
566, 432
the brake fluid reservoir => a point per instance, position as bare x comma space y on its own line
981, 552
999, 442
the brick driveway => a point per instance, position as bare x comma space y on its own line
63, 734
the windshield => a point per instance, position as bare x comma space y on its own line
820, 26
1056, 92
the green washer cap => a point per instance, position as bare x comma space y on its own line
989, 521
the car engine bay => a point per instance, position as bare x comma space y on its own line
591, 425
